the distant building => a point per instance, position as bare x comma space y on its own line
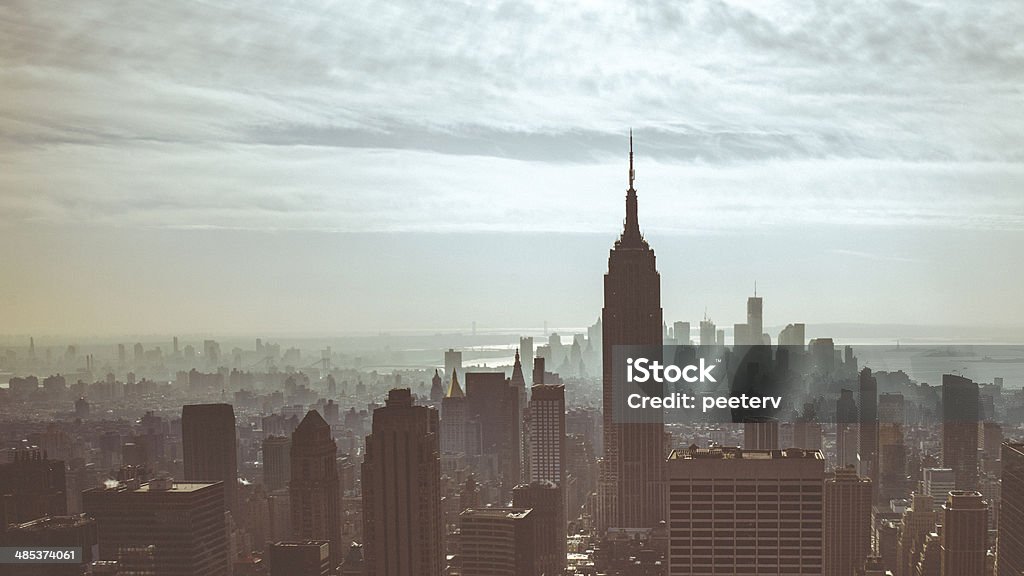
32, 486
277, 463
452, 363
209, 447
938, 482
960, 429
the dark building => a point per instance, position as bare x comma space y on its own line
436, 389
453, 419
960, 430
963, 537
1010, 547
868, 420
401, 480
313, 490
52, 531
846, 429
493, 402
32, 486
209, 448
277, 462
499, 542
164, 527
546, 501
847, 515
309, 558
632, 487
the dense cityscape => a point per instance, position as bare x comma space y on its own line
497, 454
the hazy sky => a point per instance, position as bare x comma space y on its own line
336, 166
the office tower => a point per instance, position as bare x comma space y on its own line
313, 489
847, 431
681, 333
498, 542
793, 336
720, 338
518, 382
547, 434
755, 319
938, 482
741, 335
547, 502
77, 531
823, 355
867, 448
916, 523
277, 462
1010, 547
452, 362
309, 558
208, 446
708, 337
163, 527
402, 527
762, 434
964, 527
734, 511
526, 351
847, 522
892, 453
32, 486
494, 403
632, 470
960, 429
436, 388
453, 419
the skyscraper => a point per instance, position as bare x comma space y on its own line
632, 490
494, 403
846, 429
436, 388
526, 351
1010, 545
755, 319
452, 362
547, 502
547, 471
847, 522
208, 446
309, 558
277, 462
960, 429
964, 526
868, 445
498, 542
453, 418
313, 489
163, 527
735, 511
401, 480
917, 522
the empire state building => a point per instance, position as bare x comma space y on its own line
631, 492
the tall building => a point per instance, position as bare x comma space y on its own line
547, 434
309, 558
755, 319
277, 462
162, 527
868, 447
963, 537
960, 429
916, 523
762, 434
681, 333
401, 481
708, 335
892, 452
314, 490
793, 336
498, 542
847, 522
735, 511
547, 502
32, 486
493, 402
1010, 546
436, 388
453, 419
208, 446
847, 430
526, 351
452, 362
632, 489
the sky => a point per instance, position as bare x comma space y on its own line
217, 167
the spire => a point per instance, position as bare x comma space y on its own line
455, 391
631, 230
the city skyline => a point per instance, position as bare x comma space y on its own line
252, 187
